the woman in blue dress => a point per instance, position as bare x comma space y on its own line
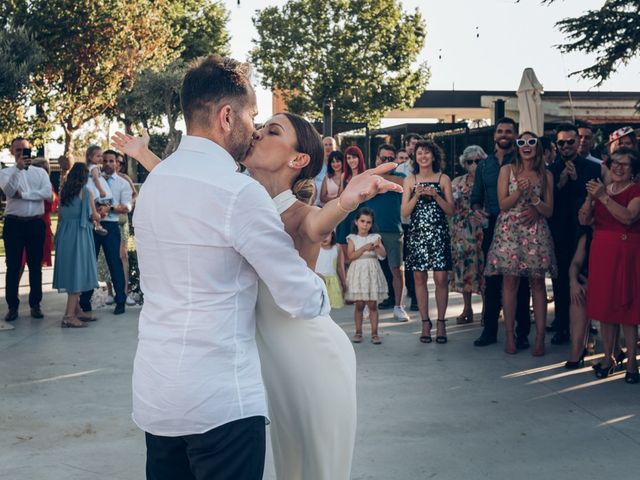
75, 264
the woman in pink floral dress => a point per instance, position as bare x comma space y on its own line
466, 235
518, 250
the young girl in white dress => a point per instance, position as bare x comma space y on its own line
366, 284
330, 266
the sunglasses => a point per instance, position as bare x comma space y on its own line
469, 162
387, 159
521, 142
561, 143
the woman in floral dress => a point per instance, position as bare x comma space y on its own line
466, 235
518, 250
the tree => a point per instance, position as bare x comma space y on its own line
201, 27
360, 53
612, 33
94, 49
19, 56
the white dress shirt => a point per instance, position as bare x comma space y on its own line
34, 186
121, 194
204, 234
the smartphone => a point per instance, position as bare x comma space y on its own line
26, 153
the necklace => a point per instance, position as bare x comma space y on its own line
612, 192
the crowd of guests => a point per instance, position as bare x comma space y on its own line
93, 200
531, 209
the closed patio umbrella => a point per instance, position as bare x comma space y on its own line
530, 103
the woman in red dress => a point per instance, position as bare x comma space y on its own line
613, 288
50, 206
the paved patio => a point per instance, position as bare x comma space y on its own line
425, 411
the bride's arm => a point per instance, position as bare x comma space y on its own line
321, 222
136, 147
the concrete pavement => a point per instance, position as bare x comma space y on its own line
449, 411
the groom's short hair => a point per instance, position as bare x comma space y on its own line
210, 81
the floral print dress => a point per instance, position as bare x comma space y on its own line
466, 241
519, 250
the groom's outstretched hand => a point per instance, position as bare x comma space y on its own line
367, 185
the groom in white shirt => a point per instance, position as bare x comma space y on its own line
197, 387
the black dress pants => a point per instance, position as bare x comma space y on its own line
234, 451
564, 248
110, 243
493, 296
23, 235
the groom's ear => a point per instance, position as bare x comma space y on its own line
223, 118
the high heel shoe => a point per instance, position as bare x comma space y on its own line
569, 365
427, 338
602, 372
465, 318
621, 357
442, 338
632, 377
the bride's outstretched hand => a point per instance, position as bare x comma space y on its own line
133, 146
367, 185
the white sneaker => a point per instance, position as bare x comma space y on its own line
365, 313
110, 300
399, 314
130, 301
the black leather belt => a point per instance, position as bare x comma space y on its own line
22, 219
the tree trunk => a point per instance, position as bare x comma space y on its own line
68, 141
132, 163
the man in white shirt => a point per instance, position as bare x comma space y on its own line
24, 230
204, 235
120, 194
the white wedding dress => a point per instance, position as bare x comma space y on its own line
309, 371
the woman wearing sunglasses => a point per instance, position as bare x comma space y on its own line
466, 235
519, 250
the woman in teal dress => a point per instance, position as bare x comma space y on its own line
75, 264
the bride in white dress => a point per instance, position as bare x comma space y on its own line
308, 365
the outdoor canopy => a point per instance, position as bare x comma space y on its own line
530, 103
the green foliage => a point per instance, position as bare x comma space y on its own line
201, 26
361, 53
93, 49
19, 56
611, 32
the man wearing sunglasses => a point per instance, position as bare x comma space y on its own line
571, 172
24, 229
484, 201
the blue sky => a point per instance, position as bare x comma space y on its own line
512, 36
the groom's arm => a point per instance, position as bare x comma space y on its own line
257, 233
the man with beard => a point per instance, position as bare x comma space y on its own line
204, 235
484, 200
571, 172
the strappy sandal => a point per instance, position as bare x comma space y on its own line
375, 339
465, 318
357, 338
442, 338
84, 318
68, 323
427, 338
